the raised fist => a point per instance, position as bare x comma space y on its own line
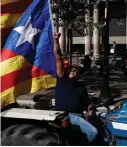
57, 36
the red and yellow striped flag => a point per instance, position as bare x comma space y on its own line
11, 10
27, 57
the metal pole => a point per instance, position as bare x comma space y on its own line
67, 41
105, 43
70, 44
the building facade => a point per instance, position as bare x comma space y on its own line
91, 44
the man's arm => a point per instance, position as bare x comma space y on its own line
57, 52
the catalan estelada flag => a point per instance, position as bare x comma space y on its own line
11, 10
27, 59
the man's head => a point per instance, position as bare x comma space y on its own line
114, 42
74, 71
86, 56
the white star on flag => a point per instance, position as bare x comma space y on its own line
27, 33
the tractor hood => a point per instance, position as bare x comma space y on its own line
46, 115
117, 121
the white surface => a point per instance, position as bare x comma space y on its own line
112, 50
31, 114
91, 93
103, 109
120, 126
118, 39
53, 102
28, 102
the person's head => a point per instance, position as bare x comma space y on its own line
86, 56
114, 42
74, 72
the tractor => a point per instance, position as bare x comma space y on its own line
27, 126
